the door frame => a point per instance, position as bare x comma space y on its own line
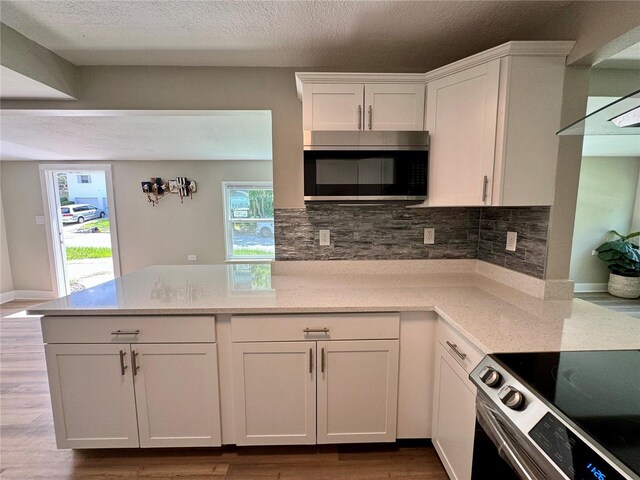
53, 220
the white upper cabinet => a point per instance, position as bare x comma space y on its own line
462, 111
394, 106
333, 107
492, 120
353, 102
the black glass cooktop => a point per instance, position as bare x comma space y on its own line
598, 390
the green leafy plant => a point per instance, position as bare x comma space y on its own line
621, 256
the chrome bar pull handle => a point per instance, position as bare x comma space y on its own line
322, 361
134, 362
125, 332
311, 360
123, 367
316, 330
485, 184
359, 117
370, 117
454, 347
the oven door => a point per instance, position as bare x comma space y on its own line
509, 455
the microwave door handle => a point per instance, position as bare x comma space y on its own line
359, 117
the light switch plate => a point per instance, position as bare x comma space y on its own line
512, 239
192, 258
429, 236
325, 238
39, 220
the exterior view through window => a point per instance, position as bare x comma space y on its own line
249, 220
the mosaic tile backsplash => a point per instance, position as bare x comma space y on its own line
386, 232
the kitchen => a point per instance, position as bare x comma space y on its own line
383, 313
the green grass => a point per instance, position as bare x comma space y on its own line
82, 253
249, 251
102, 224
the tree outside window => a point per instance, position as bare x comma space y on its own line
249, 220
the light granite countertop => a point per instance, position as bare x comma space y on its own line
495, 317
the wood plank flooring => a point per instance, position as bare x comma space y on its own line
604, 299
28, 451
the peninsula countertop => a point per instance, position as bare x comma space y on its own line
495, 317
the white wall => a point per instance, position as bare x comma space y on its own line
6, 279
164, 234
607, 196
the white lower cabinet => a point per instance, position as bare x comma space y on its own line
357, 391
176, 388
328, 388
454, 416
130, 395
275, 393
92, 395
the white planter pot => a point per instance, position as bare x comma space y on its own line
624, 287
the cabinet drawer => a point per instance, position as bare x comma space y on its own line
457, 342
283, 328
150, 329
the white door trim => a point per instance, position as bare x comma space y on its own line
56, 260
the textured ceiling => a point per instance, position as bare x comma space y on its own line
137, 135
348, 34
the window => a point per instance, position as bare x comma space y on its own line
249, 220
84, 178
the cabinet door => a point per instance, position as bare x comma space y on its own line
275, 393
357, 391
394, 106
92, 395
461, 119
454, 416
177, 397
333, 106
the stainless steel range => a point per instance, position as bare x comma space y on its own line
560, 415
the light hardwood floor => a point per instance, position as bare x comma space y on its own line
604, 299
28, 451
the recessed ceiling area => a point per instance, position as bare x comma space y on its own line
135, 135
14, 85
349, 34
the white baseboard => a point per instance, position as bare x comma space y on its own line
7, 296
27, 295
590, 287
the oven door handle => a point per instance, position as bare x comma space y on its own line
524, 469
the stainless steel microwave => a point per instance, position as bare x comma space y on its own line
365, 166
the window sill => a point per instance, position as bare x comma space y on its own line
250, 260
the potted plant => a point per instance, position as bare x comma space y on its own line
623, 261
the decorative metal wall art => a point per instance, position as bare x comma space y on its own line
156, 189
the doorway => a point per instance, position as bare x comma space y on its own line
81, 225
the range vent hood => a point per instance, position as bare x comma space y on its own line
621, 117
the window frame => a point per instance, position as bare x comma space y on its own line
228, 221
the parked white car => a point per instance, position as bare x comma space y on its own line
80, 213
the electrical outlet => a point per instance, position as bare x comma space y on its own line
594, 252
512, 239
429, 236
39, 220
325, 238
192, 258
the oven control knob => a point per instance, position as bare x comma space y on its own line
490, 377
512, 398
